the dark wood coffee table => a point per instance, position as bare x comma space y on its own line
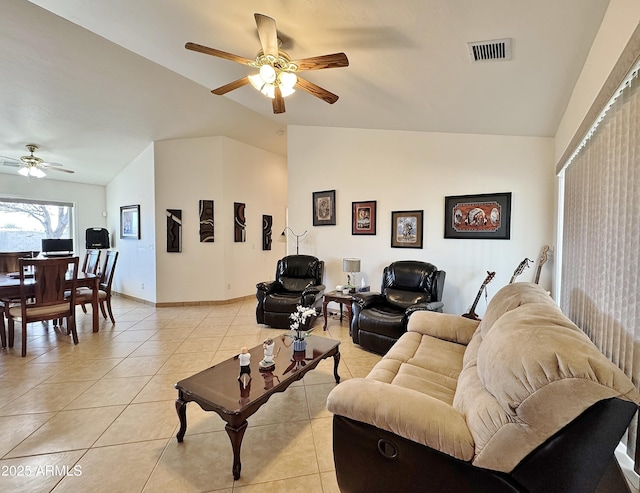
219, 389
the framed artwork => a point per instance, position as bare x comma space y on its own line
406, 229
363, 218
324, 208
267, 223
480, 217
130, 221
174, 230
206, 221
239, 223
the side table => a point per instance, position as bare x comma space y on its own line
341, 299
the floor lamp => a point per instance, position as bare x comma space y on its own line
297, 237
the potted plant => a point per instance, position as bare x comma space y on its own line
299, 332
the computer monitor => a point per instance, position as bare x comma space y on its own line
57, 246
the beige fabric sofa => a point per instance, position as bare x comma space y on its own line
522, 401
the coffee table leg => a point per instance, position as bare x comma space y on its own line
181, 409
336, 362
324, 312
236, 435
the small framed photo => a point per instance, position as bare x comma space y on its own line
324, 208
130, 221
406, 229
480, 217
363, 218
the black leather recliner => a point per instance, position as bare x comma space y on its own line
379, 319
298, 281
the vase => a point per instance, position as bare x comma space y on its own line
299, 345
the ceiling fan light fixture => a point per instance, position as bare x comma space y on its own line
24, 171
38, 173
268, 74
287, 80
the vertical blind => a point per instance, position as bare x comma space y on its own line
601, 238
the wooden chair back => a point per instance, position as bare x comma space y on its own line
91, 261
109, 269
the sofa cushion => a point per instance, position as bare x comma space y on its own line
509, 297
535, 391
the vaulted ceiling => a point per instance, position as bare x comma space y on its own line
93, 83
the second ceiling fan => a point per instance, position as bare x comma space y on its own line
277, 73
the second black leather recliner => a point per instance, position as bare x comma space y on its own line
379, 319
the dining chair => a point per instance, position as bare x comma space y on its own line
42, 295
84, 295
91, 261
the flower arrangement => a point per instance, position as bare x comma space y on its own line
298, 319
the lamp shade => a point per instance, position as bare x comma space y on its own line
350, 265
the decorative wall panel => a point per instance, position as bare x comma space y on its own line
267, 223
239, 223
174, 230
206, 221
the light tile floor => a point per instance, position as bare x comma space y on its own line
100, 416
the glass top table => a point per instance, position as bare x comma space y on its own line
222, 390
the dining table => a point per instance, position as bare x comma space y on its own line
10, 289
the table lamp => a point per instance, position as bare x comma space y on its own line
351, 265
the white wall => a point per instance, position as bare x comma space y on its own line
136, 268
621, 19
89, 200
413, 170
225, 171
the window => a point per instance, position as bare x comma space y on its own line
24, 223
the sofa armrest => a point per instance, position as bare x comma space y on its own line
404, 412
443, 326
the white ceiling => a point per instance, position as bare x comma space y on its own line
94, 86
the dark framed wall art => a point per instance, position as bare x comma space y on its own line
267, 224
239, 223
130, 221
482, 217
363, 218
174, 230
206, 221
406, 229
324, 208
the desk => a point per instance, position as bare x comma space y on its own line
337, 297
10, 288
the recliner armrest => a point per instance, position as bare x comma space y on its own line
432, 306
444, 326
268, 286
367, 299
315, 289
404, 412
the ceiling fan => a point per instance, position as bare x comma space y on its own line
277, 73
32, 165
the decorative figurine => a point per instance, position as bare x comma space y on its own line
267, 362
245, 368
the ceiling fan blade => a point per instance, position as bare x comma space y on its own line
220, 54
7, 161
278, 102
316, 91
64, 170
231, 86
47, 165
334, 60
268, 34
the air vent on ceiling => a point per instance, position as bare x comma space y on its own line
496, 49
